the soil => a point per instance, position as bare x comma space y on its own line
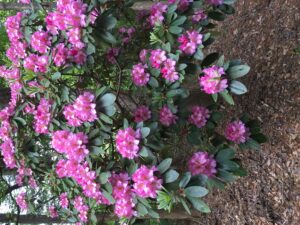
265, 33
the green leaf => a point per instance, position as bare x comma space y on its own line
185, 206
215, 15
108, 196
96, 150
199, 55
164, 165
142, 210
144, 152
107, 99
20, 120
196, 191
238, 71
105, 118
108, 37
185, 180
90, 49
175, 30
253, 144
225, 154
227, 97
226, 176
238, 88
153, 214
229, 2
153, 82
104, 177
179, 21
215, 97
199, 205
145, 131
260, 138
171, 176
56, 76
210, 59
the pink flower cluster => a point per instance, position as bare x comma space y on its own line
156, 13
83, 110
40, 41
53, 212
7, 146
127, 142
25, 172
166, 116
198, 16
17, 49
215, 2
141, 114
63, 200
73, 145
139, 75
212, 82
7, 152
190, 41
112, 54
182, 4
199, 116
42, 117
126, 34
237, 132
25, 1
82, 208
123, 194
145, 182
202, 163
36, 63
167, 66
83, 176
21, 201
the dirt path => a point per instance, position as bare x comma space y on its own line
264, 33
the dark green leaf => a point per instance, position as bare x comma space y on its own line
199, 205
238, 88
210, 59
164, 165
196, 191
171, 176
185, 180
238, 71
225, 154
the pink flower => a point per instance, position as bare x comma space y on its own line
145, 182
42, 117
202, 163
21, 201
53, 212
60, 55
215, 2
73, 145
156, 13
82, 208
40, 41
168, 70
83, 110
142, 55
157, 57
94, 15
74, 37
25, 1
112, 54
126, 34
142, 114
36, 63
123, 195
77, 55
237, 132
211, 82
7, 152
198, 16
13, 25
63, 200
167, 118
139, 75
199, 116
127, 142
190, 41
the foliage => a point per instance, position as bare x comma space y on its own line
74, 124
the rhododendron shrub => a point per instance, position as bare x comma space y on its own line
97, 110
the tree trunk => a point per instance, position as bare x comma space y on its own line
178, 214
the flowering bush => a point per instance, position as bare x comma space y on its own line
94, 105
